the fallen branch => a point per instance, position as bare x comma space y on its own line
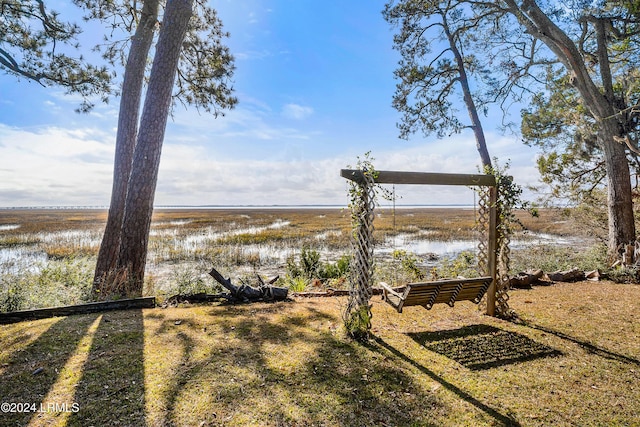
331, 293
92, 307
246, 293
524, 280
327, 293
572, 275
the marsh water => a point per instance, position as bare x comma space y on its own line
244, 241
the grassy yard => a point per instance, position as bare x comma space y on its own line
574, 359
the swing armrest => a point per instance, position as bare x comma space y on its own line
386, 289
393, 297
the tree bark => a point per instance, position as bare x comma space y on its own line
146, 161
619, 198
125, 143
476, 124
602, 107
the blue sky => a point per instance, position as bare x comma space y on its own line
314, 82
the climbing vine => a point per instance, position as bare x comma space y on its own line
509, 198
358, 200
363, 193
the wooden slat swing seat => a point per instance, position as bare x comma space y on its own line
427, 294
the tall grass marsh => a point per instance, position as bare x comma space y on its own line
239, 242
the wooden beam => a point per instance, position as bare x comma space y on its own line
92, 307
422, 178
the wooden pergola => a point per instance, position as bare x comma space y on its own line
448, 290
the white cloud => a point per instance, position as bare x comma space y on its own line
253, 54
253, 19
56, 166
252, 121
207, 180
296, 180
296, 112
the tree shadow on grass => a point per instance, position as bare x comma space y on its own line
591, 348
286, 370
112, 390
29, 375
83, 370
480, 347
500, 418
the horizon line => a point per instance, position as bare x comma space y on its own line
238, 206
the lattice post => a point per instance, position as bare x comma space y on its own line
493, 252
482, 226
357, 316
503, 260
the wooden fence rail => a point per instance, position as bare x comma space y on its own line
92, 307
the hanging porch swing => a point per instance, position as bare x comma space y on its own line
492, 280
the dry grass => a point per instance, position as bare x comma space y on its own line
302, 221
52, 220
574, 360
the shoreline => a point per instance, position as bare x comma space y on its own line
231, 207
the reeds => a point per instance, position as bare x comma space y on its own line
40, 284
184, 244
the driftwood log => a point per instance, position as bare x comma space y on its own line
524, 280
245, 293
572, 275
593, 275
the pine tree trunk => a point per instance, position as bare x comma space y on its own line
619, 200
125, 145
146, 161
